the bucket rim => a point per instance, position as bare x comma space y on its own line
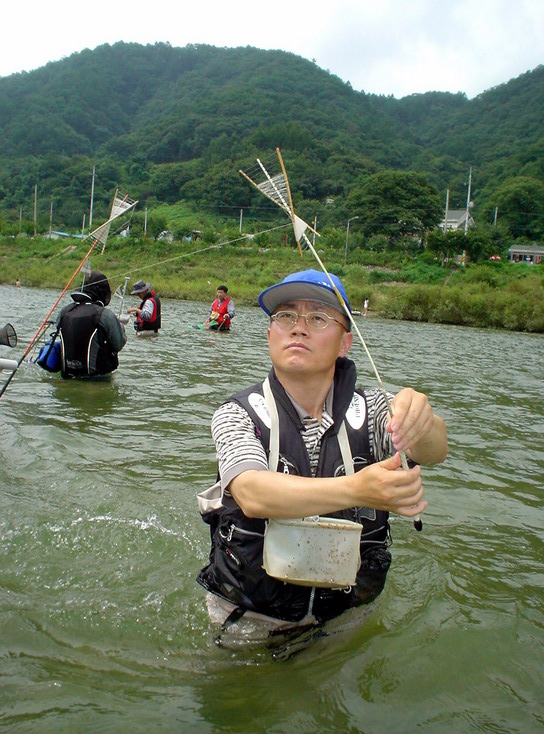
328, 523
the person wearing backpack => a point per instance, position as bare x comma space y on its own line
91, 335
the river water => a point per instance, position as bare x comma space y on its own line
102, 625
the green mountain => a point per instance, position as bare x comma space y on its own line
175, 124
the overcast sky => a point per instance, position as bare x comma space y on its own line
390, 47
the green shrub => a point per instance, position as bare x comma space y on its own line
416, 288
385, 276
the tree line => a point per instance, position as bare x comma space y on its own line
172, 126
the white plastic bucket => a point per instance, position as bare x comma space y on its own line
8, 364
321, 551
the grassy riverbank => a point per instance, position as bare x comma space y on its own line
495, 294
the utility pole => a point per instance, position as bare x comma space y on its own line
347, 235
468, 198
463, 262
447, 211
35, 209
92, 200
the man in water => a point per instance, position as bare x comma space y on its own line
91, 335
148, 313
313, 386
221, 311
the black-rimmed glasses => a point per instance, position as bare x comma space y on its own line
315, 320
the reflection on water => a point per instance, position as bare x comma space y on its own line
86, 402
102, 626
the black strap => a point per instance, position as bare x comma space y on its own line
53, 339
236, 614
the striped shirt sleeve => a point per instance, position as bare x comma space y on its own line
381, 444
238, 448
147, 311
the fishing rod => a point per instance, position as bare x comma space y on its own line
100, 234
418, 525
123, 318
14, 365
158, 263
276, 187
43, 325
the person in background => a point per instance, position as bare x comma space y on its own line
365, 307
148, 313
91, 335
313, 386
221, 311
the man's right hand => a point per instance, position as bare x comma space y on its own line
383, 487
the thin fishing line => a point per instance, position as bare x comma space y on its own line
43, 325
125, 274
404, 461
301, 226
158, 263
96, 236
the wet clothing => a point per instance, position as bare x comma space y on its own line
150, 318
225, 309
234, 571
91, 336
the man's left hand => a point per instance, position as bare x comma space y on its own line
412, 418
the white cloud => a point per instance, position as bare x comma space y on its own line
397, 47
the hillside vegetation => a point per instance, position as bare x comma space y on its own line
171, 127
175, 124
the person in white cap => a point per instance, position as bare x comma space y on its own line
148, 313
312, 385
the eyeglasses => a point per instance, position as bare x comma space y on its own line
315, 320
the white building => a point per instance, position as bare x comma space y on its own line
457, 219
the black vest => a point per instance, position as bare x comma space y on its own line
235, 569
85, 348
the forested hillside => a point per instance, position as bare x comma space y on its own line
175, 124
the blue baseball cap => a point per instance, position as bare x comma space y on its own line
307, 285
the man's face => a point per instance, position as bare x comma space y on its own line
300, 349
221, 294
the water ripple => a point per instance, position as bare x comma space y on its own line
102, 625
